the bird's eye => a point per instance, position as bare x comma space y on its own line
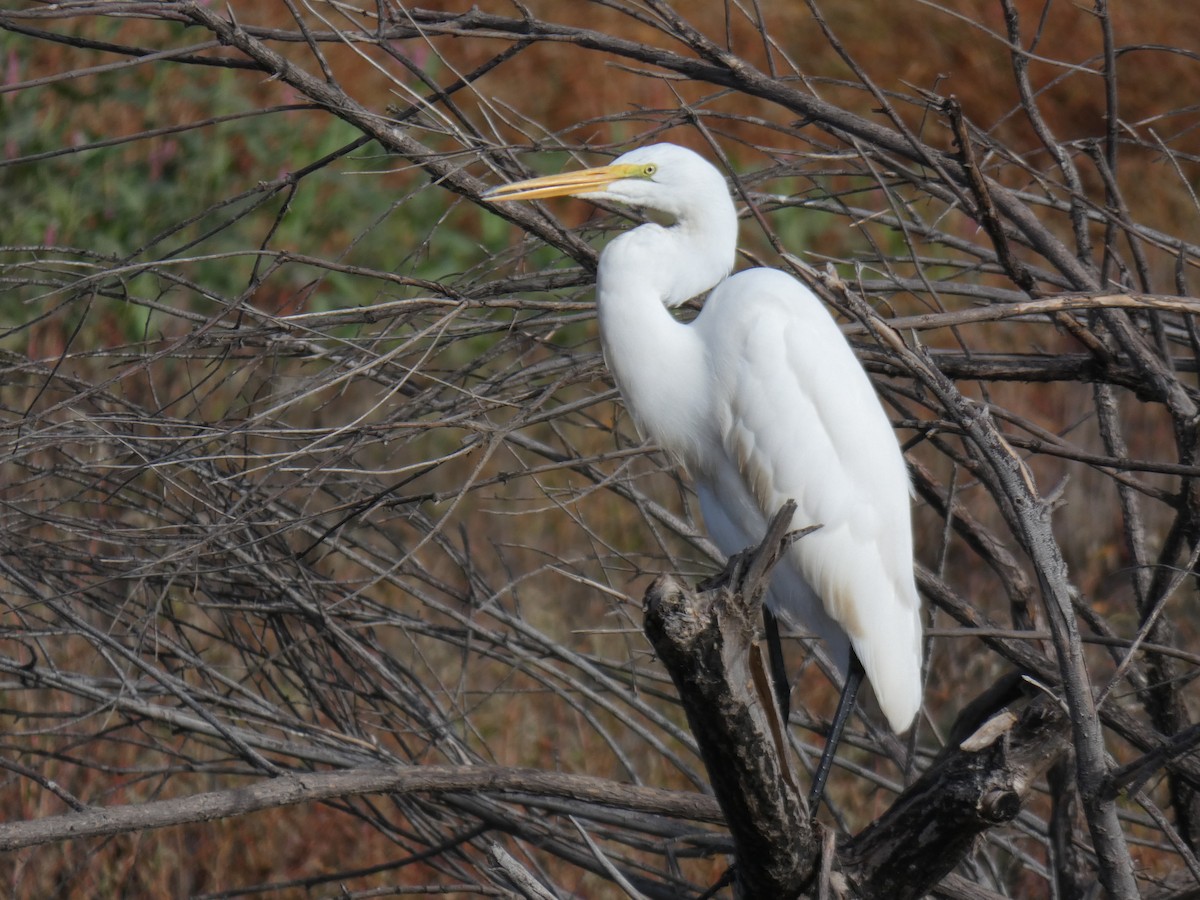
649, 169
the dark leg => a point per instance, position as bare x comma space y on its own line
854, 677
783, 691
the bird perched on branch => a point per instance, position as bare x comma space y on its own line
762, 400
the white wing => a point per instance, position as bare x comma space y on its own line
797, 419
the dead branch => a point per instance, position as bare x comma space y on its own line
309, 787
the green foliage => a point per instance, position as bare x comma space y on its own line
150, 164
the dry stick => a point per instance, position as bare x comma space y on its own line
990, 218
1072, 873
1112, 121
1119, 215
1165, 826
986, 545
288, 790
520, 877
986, 209
1152, 618
1131, 776
613, 872
920, 152
1042, 306
1075, 192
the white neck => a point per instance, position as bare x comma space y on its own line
659, 363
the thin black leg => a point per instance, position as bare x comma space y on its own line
854, 677
779, 678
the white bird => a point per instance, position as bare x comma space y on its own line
762, 400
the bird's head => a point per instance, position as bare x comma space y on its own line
663, 177
677, 262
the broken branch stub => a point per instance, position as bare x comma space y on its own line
707, 642
975, 785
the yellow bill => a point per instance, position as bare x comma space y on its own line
567, 184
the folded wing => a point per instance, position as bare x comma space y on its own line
799, 419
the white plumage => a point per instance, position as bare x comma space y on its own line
762, 400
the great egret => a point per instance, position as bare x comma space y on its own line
761, 399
